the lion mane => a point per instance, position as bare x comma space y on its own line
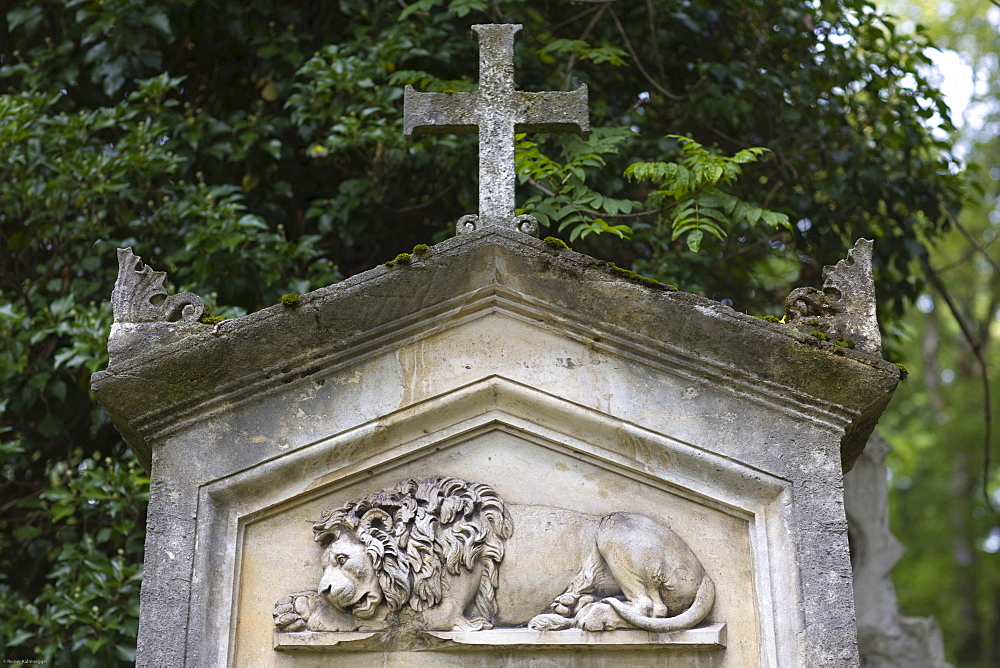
416, 531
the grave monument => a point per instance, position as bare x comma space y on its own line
496, 451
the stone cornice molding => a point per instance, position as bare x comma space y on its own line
569, 292
165, 420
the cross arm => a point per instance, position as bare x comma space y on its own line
554, 112
438, 113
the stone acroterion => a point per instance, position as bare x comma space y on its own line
845, 307
496, 111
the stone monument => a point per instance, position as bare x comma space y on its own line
886, 639
496, 451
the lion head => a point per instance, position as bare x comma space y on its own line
393, 546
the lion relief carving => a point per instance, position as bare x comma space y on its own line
428, 554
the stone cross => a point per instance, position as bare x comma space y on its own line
497, 112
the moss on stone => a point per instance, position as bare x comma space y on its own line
211, 319
420, 248
402, 258
822, 336
291, 300
768, 318
555, 243
843, 343
635, 278
903, 371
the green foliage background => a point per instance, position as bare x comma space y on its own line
936, 423
253, 149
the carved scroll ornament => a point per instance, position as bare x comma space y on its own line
139, 294
430, 552
845, 308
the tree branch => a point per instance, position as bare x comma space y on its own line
638, 63
583, 36
975, 345
651, 15
585, 12
535, 184
972, 240
434, 198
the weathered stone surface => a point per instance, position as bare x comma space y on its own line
145, 315
845, 308
427, 555
568, 388
139, 295
886, 639
497, 111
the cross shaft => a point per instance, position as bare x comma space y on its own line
496, 111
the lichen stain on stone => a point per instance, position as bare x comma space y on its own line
353, 379
411, 362
632, 447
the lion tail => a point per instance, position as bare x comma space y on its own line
703, 602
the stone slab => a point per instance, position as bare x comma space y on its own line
710, 636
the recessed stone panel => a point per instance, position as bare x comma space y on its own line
553, 498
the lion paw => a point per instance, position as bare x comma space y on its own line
474, 624
599, 616
549, 622
292, 612
569, 604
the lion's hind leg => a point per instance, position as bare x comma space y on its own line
658, 574
591, 582
592, 578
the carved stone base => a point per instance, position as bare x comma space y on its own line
312, 641
707, 636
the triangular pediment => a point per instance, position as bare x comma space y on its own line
551, 460
470, 278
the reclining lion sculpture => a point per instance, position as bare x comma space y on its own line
428, 554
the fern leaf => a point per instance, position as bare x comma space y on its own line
694, 240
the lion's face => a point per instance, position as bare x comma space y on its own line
349, 581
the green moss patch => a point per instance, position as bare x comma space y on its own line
402, 258
637, 278
555, 243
